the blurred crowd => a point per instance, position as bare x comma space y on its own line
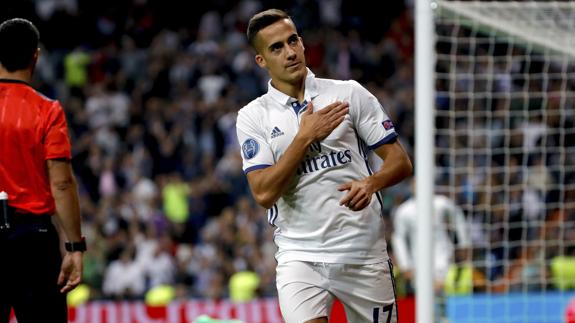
505, 152
151, 91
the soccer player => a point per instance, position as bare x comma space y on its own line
35, 173
304, 146
450, 231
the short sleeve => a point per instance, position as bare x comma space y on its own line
255, 149
371, 121
56, 139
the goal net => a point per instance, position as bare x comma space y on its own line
505, 153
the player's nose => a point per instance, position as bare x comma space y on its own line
290, 53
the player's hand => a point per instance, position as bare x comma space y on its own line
319, 124
70, 271
358, 195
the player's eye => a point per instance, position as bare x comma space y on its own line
293, 40
275, 47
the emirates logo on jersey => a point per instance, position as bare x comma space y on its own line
323, 161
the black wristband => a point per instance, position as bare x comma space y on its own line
76, 246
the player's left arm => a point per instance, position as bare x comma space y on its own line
396, 167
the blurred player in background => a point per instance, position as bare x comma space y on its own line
36, 174
450, 233
304, 146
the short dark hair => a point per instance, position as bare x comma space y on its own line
261, 20
18, 43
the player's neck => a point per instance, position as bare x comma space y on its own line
19, 75
295, 90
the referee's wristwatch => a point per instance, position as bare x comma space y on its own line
72, 246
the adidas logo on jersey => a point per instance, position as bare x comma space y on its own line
276, 132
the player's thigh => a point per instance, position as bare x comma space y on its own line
367, 292
301, 292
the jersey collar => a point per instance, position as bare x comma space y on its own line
285, 100
4, 80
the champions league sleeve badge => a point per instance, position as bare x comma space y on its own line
387, 124
250, 148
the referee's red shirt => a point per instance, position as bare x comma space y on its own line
33, 129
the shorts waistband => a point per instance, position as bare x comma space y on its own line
19, 217
15, 217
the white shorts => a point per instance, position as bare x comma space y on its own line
306, 290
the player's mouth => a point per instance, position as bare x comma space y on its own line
293, 65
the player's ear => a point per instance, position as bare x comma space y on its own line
260, 60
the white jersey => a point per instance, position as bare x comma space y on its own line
310, 223
448, 218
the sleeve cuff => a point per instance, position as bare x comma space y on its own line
389, 139
256, 167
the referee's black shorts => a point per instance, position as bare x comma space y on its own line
30, 262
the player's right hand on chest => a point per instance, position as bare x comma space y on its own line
317, 125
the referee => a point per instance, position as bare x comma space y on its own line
36, 182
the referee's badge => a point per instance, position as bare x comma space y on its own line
250, 148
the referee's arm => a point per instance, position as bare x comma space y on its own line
65, 192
